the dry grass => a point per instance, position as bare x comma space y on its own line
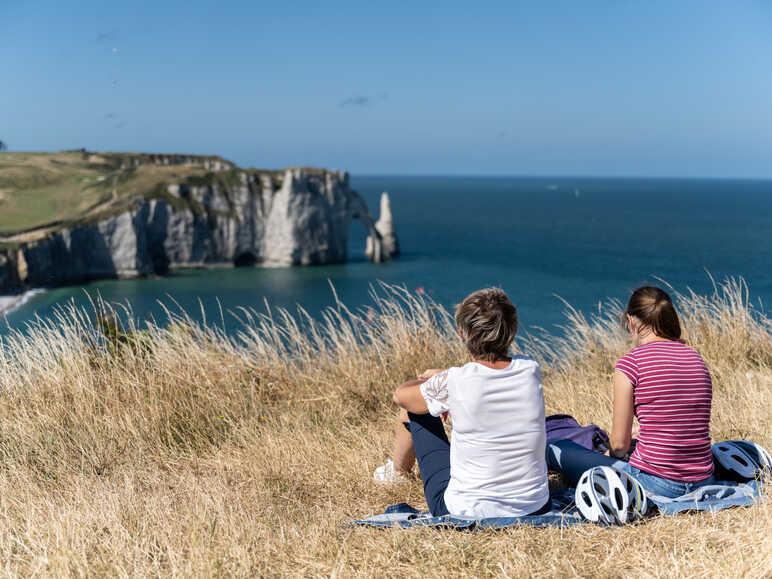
180, 452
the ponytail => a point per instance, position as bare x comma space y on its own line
654, 308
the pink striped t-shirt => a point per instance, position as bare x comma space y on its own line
672, 393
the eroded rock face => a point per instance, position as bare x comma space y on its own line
300, 219
309, 220
9, 280
385, 228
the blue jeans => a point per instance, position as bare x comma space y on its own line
571, 460
432, 451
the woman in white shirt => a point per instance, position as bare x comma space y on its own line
495, 466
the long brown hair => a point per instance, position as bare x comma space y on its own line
655, 309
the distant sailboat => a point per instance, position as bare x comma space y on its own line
576, 193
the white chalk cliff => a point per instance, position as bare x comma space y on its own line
259, 218
384, 227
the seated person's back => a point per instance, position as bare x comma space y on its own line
497, 460
672, 394
495, 464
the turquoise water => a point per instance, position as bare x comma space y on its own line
580, 238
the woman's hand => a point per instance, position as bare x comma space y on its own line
426, 374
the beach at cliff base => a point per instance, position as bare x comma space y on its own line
9, 303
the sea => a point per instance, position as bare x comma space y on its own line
546, 241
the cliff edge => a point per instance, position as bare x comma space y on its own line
153, 213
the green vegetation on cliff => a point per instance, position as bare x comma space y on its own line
43, 190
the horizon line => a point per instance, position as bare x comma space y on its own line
398, 174
564, 176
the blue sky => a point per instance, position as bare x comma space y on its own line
611, 87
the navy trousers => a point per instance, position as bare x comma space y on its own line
432, 451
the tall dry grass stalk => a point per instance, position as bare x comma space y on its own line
176, 450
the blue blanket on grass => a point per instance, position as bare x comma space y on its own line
564, 512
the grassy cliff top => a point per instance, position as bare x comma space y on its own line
42, 190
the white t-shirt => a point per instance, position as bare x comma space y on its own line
498, 440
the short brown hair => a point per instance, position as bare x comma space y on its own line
487, 321
655, 309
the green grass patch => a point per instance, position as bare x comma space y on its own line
72, 187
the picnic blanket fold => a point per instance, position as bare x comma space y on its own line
564, 513
722, 495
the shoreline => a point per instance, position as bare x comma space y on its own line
11, 303
7, 303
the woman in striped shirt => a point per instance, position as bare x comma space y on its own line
667, 387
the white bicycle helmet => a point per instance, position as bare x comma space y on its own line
609, 496
742, 459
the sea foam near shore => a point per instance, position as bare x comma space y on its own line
10, 303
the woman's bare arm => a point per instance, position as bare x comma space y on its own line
621, 429
408, 396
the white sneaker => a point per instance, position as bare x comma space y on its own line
387, 474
